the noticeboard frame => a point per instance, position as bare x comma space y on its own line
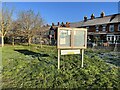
72, 38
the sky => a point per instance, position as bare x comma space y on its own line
54, 12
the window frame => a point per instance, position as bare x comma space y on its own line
97, 28
118, 27
52, 32
111, 26
104, 27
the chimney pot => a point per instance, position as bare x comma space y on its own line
52, 24
58, 23
102, 14
92, 16
62, 23
67, 24
47, 25
85, 18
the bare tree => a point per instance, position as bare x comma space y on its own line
30, 22
14, 32
5, 22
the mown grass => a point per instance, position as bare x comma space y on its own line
35, 67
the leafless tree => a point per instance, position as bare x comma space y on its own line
14, 32
5, 22
30, 22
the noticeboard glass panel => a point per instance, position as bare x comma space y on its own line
71, 38
65, 36
79, 38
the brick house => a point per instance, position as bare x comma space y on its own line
100, 29
103, 28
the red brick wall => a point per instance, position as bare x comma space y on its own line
93, 28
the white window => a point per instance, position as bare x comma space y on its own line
103, 27
111, 28
118, 39
112, 39
118, 27
87, 27
108, 38
97, 28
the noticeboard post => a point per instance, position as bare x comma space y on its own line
72, 39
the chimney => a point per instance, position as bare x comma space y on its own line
92, 16
58, 23
67, 24
102, 14
47, 25
85, 18
52, 24
62, 23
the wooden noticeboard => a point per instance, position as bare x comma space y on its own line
72, 39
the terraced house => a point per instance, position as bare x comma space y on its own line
100, 29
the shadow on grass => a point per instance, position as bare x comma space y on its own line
31, 53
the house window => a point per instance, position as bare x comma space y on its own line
97, 28
119, 39
112, 39
52, 32
103, 27
108, 38
118, 27
111, 28
87, 28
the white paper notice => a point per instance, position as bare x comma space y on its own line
74, 32
68, 32
62, 41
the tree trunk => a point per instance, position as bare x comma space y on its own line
40, 42
29, 41
41, 45
2, 40
13, 41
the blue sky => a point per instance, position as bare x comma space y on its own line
65, 11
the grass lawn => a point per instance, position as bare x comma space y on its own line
35, 67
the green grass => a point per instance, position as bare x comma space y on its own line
35, 67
